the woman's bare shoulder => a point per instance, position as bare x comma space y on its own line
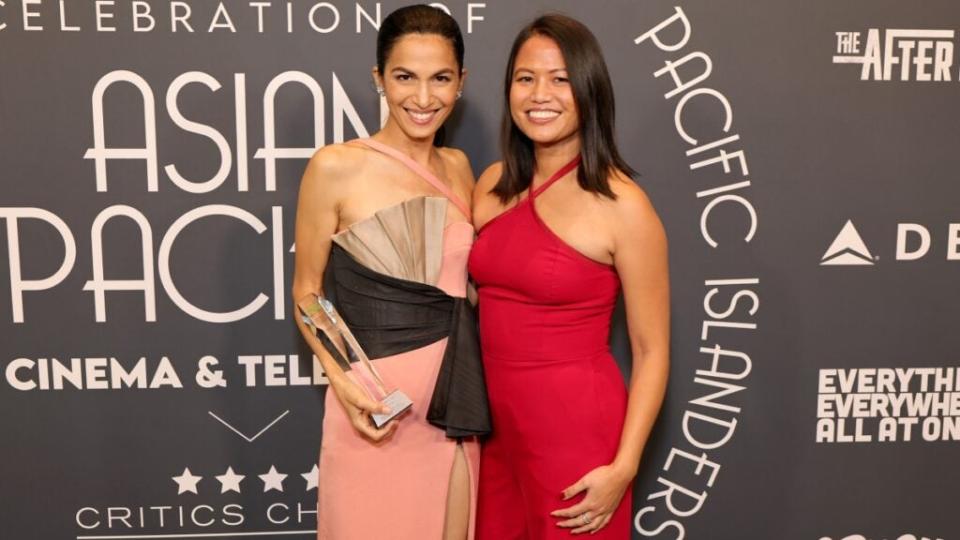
631, 198
453, 156
457, 162
338, 157
489, 178
333, 164
632, 213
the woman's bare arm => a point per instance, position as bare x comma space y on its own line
322, 191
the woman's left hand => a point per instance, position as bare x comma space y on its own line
605, 487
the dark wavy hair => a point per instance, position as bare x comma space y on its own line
593, 95
419, 19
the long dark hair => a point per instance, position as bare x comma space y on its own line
593, 94
419, 19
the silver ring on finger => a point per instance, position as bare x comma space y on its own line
585, 518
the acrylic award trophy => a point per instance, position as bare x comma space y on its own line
323, 319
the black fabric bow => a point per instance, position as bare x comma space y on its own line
389, 316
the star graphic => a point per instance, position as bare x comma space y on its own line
230, 481
186, 482
272, 480
311, 477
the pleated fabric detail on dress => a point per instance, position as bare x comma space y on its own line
404, 241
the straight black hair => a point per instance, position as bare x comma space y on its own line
593, 95
419, 19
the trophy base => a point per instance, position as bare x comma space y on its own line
398, 403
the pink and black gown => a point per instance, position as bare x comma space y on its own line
557, 398
400, 285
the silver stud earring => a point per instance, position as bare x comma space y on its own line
459, 94
380, 91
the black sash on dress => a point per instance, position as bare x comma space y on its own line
389, 316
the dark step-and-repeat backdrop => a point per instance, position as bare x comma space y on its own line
802, 155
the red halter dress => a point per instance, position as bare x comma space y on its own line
557, 398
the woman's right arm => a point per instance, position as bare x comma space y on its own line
322, 190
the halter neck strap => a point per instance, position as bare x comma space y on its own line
421, 171
556, 176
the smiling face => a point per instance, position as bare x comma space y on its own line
541, 97
420, 79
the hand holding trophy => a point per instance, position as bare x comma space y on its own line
322, 318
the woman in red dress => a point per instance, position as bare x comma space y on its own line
562, 229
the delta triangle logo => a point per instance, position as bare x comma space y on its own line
847, 249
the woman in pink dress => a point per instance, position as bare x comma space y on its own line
390, 215
562, 229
